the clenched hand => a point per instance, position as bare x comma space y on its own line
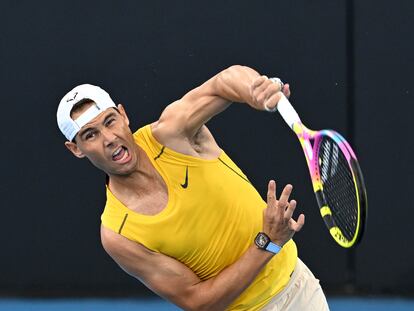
265, 94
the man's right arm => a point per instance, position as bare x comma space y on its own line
177, 283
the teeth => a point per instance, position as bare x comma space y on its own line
117, 152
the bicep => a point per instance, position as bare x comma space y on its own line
162, 274
187, 115
194, 109
199, 105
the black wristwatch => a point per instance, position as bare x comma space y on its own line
262, 241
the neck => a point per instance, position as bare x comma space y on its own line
139, 180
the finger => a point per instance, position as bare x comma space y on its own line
284, 197
271, 194
286, 90
272, 101
290, 209
258, 81
270, 88
260, 87
297, 225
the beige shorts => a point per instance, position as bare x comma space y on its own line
303, 292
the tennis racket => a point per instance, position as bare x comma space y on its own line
336, 177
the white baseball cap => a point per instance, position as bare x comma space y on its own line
102, 101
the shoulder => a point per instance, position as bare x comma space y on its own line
170, 120
111, 241
199, 144
171, 128
118, 246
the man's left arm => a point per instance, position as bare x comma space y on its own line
234, 84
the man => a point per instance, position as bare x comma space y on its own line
180, 215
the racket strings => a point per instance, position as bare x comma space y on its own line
338, 187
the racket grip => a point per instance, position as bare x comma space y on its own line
287, 111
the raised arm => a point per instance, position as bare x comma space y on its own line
234, 84
174, 281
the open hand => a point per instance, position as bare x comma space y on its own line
278, 223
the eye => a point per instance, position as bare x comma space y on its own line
89, 135
110, 121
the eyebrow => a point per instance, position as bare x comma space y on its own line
84, 131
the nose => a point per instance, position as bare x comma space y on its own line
108, 137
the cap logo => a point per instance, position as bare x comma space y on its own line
74, 96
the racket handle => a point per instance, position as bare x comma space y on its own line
287, 111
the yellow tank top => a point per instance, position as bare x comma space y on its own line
212, 216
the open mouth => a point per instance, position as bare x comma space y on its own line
121, 155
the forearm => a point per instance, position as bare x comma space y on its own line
234, 84
220, 291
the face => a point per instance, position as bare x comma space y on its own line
107, 142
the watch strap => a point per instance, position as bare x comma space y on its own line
273, 248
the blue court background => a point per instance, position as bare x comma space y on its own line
336, 304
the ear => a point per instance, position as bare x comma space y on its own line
74, 149
123, 113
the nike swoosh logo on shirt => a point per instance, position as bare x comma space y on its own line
185, 184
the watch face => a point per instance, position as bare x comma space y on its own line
261, 240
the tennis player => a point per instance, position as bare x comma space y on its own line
180, 215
